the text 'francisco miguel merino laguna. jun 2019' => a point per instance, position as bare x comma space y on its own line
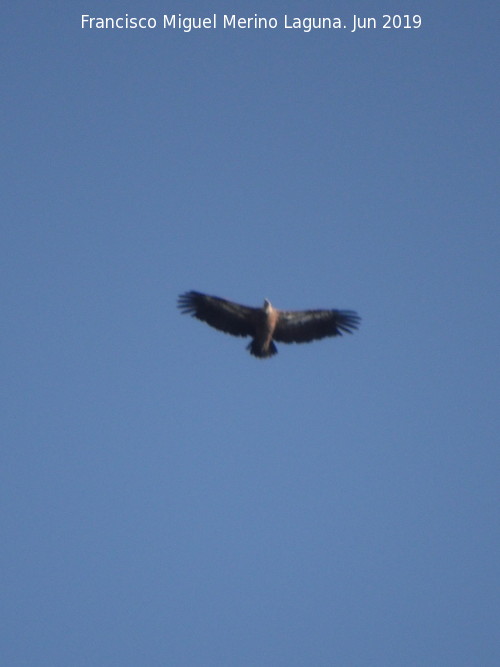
234, 22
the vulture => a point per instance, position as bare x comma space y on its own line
267, 325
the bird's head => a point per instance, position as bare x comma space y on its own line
267, 305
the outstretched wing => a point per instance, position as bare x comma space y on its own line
232, 318
303, 326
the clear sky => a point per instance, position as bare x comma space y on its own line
167, 499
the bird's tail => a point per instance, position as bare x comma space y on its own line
262, 351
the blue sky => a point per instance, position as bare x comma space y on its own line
168, 499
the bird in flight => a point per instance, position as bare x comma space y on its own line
267, 324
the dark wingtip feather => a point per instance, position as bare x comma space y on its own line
187, 302
348, 321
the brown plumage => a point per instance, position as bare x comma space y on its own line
267, 324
